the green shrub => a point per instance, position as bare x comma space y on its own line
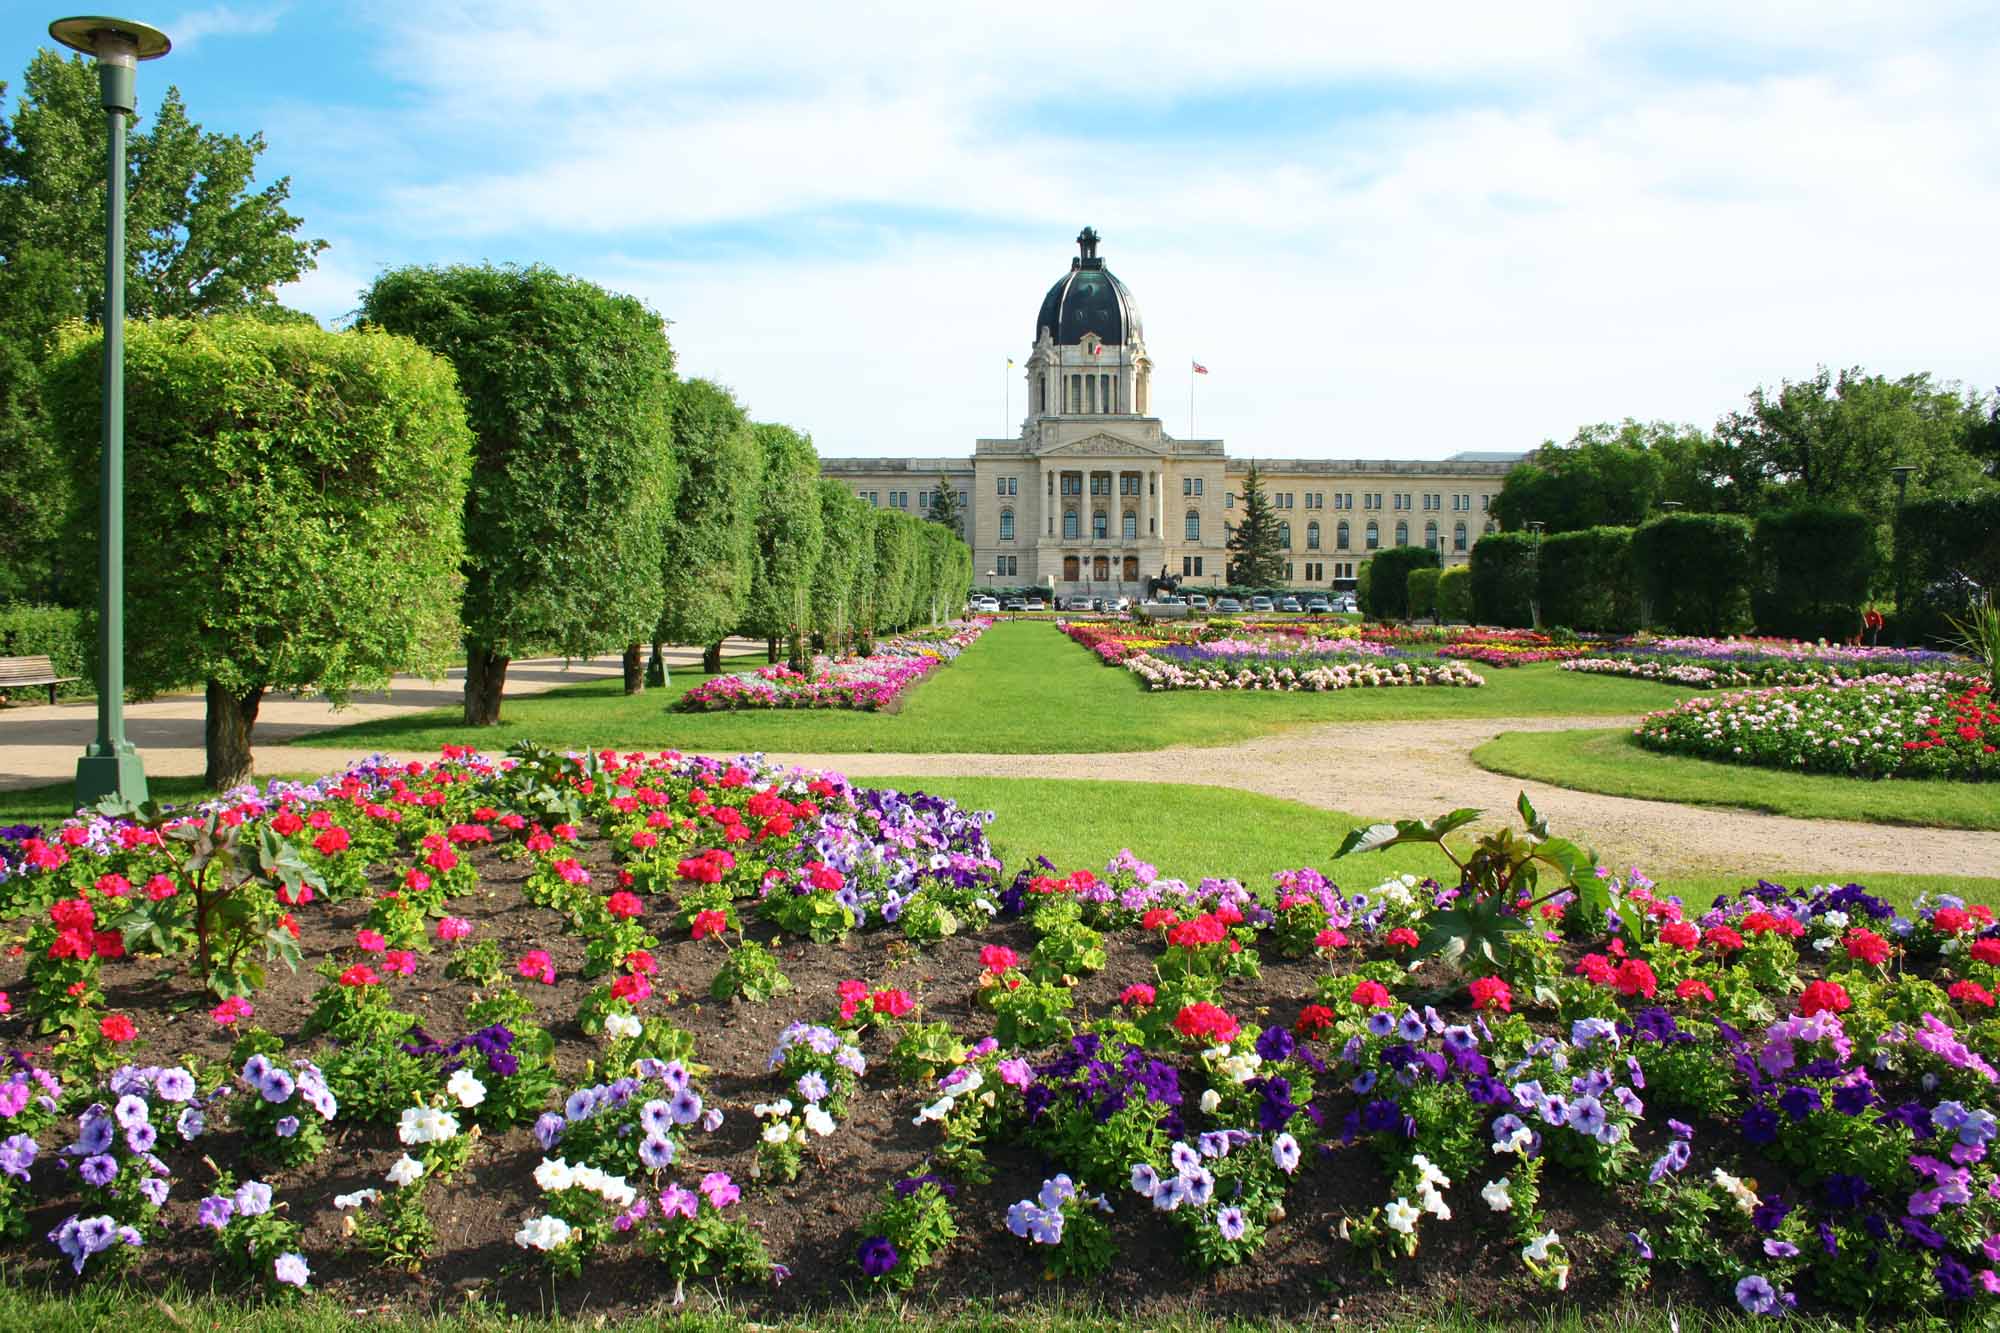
1946, 551
1584, 580
1815, 566
1454, 594
1388, 583
1503, 580
1421, 591
62, 635
1695, 572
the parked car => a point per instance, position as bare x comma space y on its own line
1228, 606
1289, 604
1318, 606
1197, 602
1081, 603
1261, 604
1037, 604
985, 606
1346, 604
1014, 604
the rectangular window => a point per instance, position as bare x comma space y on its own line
1229, 499
1187, 566
1001, 485
1197, 564
1288, 573
1197, 485
1485, 502
1006, 525
1187, 485
1130, 526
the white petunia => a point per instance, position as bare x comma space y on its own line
407, 1171
346, 1201
620, 1025
542, 1233
467, 1089
817, 1120
778, 1132
1401, 1216
1210, 1100
1537, 1250
555, 1175
1497, 1194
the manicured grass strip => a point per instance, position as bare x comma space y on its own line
1613, 763
1188, 831
1022, 689
109, 1305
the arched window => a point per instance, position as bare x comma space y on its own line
1099, 525
1431, 535
1312, 536
1130, 526
1285, 536
1374, 535
1069, 525
1006, 525
1193, 526
1491, 527
1402, 533
1458, 537
1041, 393
1340, 534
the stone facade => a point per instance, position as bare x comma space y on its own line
1094, 496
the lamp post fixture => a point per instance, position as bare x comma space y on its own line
1671, 506
110, 765
1901, 472
1535, 527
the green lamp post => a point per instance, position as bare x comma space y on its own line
110, 766
1901, 472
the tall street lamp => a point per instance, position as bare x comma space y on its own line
110, 765
1901, 472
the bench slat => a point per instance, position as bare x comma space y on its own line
15, 671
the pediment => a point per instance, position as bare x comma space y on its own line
1103, 445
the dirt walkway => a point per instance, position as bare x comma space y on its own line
1408, 769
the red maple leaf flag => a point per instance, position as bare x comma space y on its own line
1200, 369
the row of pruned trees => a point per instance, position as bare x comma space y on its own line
495, 462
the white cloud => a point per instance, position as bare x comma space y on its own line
1544, 217
197, 25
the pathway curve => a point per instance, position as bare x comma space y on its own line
1409, 769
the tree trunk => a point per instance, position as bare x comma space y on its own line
711, 658
771, 648
231, 719
656, 666
635, 670
485, 681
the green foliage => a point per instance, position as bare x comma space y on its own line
1503, 580
1584, 580
844, 534
299, 493
710, 540
1421, 591
1694, 571
1454, 593
864, 519
1605, 476
789, 531
1033, 1014
1815, 566
1944, 549
55, 632
566, 390
946, 510
918, 1224
1255, 558
1389, 587
751, 971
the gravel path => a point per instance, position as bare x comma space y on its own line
1406, 769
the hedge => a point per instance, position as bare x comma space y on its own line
1946, 550
1695, 572
1584, 580
1454, 594
1503, 580
1421, 591
1388, 584
1815, 567
63, 635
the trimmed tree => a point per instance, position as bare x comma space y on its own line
1815, 566
709, 551
1946, 552
789, 533
895, 568
1454, 594
1389, 588
1503, 580
300, 496
832, 592
1256, 560
1585, 580
1421, 591
566, 388
865, 589
1695, 571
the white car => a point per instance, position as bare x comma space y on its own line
986, 606
1197, 602
1035, 604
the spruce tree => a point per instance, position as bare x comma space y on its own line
1255, 558
946, 509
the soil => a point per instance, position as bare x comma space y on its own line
811, 1226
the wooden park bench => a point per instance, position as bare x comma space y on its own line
18, 671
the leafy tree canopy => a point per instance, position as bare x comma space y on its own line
708, 555
790, 532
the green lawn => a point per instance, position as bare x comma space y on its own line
1190, 831
1022, 689
1613, 763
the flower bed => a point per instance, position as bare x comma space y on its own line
1508, 647
642, 1026
1732, 663
864, 683
1925, 726
1290, 661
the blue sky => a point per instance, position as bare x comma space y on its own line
1472, 227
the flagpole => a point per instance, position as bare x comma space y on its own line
1006, 398
1190, 404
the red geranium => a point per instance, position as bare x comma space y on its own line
1492, 993
360, 975
1313, 1020
1680, 934
1865, 946
117, 1028
710, 922
1137, 994
1950, 920
1694, 989
1403, 937
1986, 951
1371, 995
1330, 938
1203, 1021
625, 905
1823, 995
1722, 939
894, 1003
1158, 918
1970, 992
998, 958
1597, 969
632, 987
